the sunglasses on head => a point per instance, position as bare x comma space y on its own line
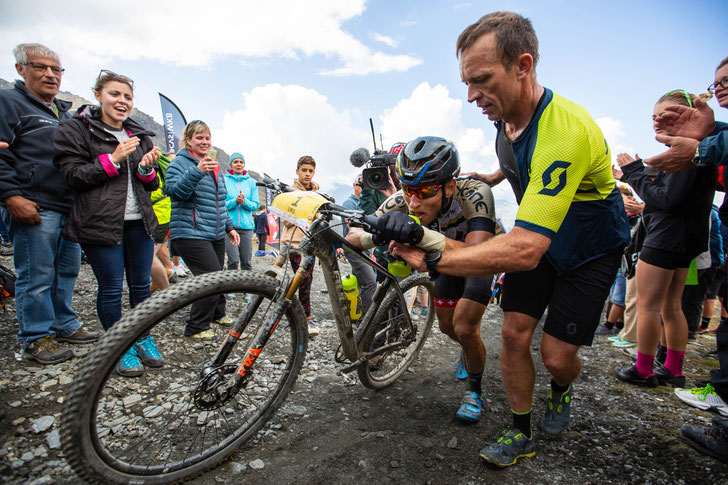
424, 192
106, 72
684, 93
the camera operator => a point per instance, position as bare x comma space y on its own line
374, 190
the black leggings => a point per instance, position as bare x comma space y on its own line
202, 257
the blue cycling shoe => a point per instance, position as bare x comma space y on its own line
461, 373
471, 408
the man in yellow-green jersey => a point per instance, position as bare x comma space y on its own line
570, 230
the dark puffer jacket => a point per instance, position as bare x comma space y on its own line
81, 147
198, 200
26, 168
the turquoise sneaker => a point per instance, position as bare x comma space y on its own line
615, 338
511, 446
130, 365
471, 408
623, 344
148, 352
461, 373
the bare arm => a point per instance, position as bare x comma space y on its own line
491, 179
518, 250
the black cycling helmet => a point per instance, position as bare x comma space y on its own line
428, 160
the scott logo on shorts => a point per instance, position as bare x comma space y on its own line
549, 177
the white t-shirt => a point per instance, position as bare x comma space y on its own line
131, 210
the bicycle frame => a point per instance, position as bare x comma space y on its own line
318, 242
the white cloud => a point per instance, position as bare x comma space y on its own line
430, 110
614, 134
385, 39
278, 124
188, 33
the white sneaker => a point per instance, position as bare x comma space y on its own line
703, 398
180, 270
313, 329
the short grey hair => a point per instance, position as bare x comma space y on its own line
357, 179
23, 51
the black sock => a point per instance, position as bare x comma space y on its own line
704, 322
475, 380
558, 389
661, 354
609, 325
620, 325
522, 421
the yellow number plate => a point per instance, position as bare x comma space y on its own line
298, 207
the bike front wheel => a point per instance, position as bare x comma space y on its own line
169, 424
389, 328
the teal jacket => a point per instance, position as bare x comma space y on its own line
241, 214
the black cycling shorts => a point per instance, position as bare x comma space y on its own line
666, 259
161, 233
449, 289
575, 300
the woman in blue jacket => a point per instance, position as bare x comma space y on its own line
241, 201
199, 221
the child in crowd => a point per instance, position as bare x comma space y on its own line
305, 169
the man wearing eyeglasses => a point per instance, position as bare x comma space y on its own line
570, 229
448, 213
35, 203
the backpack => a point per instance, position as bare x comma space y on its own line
7, 284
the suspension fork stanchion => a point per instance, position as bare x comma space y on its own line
238, 327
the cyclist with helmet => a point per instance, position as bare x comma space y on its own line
459, 211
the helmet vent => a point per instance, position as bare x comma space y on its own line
420, 146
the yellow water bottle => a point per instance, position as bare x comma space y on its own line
399, 267
351, 290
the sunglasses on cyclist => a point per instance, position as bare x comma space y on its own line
424, 192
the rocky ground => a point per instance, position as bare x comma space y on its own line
333, 430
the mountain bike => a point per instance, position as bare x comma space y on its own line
212, 396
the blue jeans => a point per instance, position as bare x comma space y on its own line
47, 266
109, 263
3, 231
618, 290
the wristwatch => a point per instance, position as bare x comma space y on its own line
432, 257
696, 158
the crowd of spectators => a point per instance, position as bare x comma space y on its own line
654, 243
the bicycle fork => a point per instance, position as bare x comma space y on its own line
280, 305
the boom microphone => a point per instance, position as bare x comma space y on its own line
359, 157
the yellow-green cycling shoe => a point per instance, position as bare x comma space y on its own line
511, 446
558, 413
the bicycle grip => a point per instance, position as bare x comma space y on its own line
371, 221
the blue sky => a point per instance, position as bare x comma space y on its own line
276, 80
